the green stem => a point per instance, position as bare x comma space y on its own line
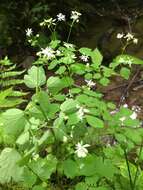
128, 167
137, 170
70, 31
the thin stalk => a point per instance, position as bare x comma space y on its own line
37, 82
70, 31
137, 170
129, 172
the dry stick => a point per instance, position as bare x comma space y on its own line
128, 87
122, 85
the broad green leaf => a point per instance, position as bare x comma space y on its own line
23, 138
13, 122
97, 58
69, 106
104, 81
85, 51
36, 77
125, 73
70, 168
55, 84
28, 178
44, 167
81, 186
94, 121
9, 169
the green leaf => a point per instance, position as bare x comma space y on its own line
9, 168
61, 70
70, 168
125, 72
104, 81
81, 186
69, 106
28, 178
23, 138
97, 58
13, 122
55, 84
94, 121
35, 78
85, 51
44, 167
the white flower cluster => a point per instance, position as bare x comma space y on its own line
81, 150
90, 83
84, 58
48, 22
61, 17
48, 53
128, 37
81, 112
75, 16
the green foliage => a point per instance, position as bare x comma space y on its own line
68, 136
9, 96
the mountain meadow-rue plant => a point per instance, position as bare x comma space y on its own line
68, 137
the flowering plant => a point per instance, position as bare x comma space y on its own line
68, 136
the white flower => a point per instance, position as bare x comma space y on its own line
120, 35
87, 64
84, 58
48, 22
75, 16
81, 150
122, 118
61, 17
114, 111
129, 36
134, 115
29, 32
90, 83
47, 52
136, 108
81, 112
135, 40
125, 105
58, 52
68, 45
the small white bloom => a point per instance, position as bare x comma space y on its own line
136, 108
48, 22
58, 52
68, 45
129, 36
61, 17
122, 118
29, 32
47, 52
84, 58
114, 111
65, 139
87, 64
75, 16
125, 105
81, 112
120, 35
134, 115
90, 83
135, 40
81, 150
